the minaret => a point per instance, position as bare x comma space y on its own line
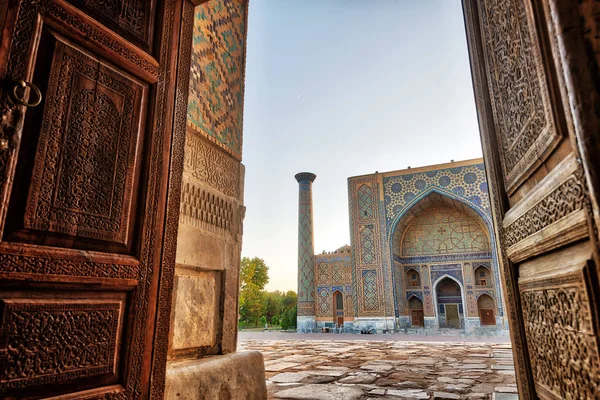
306, 250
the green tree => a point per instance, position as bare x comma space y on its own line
274, 304
254, 272
290, 299
254, 275
262, 321
275, 320
285, 321
252, 304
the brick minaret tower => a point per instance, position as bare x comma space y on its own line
306, 250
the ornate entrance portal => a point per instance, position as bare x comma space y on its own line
81, 239
449, 303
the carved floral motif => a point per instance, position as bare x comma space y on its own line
520, 101
569, 197
52, 342
212, 166
83, 175
562, 346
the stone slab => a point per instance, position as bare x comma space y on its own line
445, 396
505, 396
196, 309
408, 393
234, 376
320, 392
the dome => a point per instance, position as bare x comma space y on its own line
344, 249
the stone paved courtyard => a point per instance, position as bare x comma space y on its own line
353, 369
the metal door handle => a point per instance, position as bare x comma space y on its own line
22, 84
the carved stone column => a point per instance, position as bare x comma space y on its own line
306, 251
202, 358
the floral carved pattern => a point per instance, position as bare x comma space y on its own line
520, 99
132, 16
562, 346
50, 266
569, 197
52, 342
83, 176
212, 166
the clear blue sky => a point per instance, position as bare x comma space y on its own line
345, 88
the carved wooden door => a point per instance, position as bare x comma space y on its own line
83, 187
542, 207
417, 318
487, 316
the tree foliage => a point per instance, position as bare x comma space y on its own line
255, 303
254, 275
254, 272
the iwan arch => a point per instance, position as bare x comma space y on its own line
422, 255
149, 268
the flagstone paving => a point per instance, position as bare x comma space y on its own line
378, 370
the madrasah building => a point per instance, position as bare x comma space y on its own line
422, 254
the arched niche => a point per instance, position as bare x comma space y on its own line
449, 302
448, 225
415, 305
412, 279
483, 276
338, 308
486, 307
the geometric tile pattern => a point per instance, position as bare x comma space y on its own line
324, 308
323, 274
306, 268
217, 73
466, 182
367, 242
330, 276
337, 276
365, 202
371, 299
444, 230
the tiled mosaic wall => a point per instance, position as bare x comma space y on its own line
444, 230
370, 295
444, 235
217, 73
333, 272
467, 183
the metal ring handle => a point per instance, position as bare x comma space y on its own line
15, 98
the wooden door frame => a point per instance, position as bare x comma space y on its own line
574, 75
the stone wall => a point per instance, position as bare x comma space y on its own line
206, 286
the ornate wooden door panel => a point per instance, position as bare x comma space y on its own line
84, 180
417, 318
487, 316
81, 186
541, 206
